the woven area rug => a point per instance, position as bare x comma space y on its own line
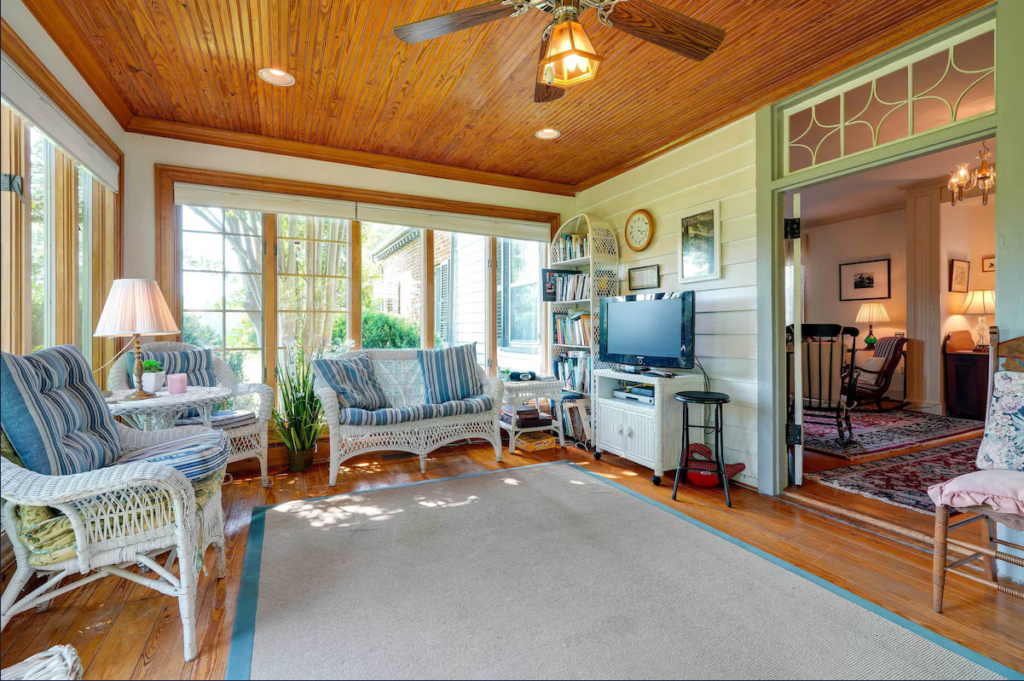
877, 433
548, 572
904, 480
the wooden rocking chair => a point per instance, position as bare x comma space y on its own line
828, 390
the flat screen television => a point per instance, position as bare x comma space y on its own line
650, 330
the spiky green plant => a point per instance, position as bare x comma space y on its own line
299, 420
151, 366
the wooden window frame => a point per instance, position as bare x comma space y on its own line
168, 247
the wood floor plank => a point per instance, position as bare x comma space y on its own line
124, 638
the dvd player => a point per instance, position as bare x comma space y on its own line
624, 395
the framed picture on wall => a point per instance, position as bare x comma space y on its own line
988, 264
700, 245
865, 280
646, 277
959, 275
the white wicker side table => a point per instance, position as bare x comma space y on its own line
164, 410
523, 392
59, 662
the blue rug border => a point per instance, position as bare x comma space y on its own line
239, 665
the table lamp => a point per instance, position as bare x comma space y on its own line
135, 307
982, 302
871, 313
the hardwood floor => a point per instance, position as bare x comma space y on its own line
124, 631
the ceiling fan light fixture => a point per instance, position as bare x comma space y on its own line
277, 77
570, 58
548, 134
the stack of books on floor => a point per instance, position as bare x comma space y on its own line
572, 329
576, 418
571, 246
525, 416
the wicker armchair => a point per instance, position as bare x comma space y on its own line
400, 376
122, 516
59, 662
247, 441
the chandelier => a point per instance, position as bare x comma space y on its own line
964, 180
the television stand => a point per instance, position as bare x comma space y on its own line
647, 434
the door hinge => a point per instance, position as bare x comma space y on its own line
791, 228
794, 434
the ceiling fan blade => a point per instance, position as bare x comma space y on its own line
543, 92
452, 22
671, 30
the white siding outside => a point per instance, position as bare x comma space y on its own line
717, 167
468, 281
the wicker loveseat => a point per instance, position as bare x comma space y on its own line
399, 374
248, 437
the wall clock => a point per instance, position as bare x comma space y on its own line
639, 230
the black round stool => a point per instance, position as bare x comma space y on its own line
715, 401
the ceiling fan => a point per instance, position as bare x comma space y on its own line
567, 56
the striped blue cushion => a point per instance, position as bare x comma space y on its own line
196, 456
450, 374
196, 364
53, 412
222, 420
386, 417
354, 381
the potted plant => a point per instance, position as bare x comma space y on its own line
153, 375
299, 420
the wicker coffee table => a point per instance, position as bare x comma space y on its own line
164, 410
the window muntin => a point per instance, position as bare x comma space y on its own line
222, 286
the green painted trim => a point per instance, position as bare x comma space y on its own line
771, 312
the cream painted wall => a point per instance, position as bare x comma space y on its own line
143, 152
35, 36
983, 243
968, 232
871, 238
717, 167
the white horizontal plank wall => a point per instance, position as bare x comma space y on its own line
717, 167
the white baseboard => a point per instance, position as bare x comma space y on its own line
929, 407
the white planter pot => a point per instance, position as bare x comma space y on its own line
151, 382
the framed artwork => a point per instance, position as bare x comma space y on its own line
988, 264
700, 245
959, 275
865, 280
641, 278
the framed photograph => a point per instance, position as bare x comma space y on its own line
959, 275
988, 264
865, 280
641, 278
700, 245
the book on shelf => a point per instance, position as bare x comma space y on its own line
576, 419
574, 371
565, 286
571, 246
523, 411
572, 328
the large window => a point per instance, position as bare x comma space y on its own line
312, 282
41, 196
390, 282
222, 286
463, 292
518, 305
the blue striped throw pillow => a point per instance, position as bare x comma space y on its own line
196, 364
450, 374
354, 381
53, 412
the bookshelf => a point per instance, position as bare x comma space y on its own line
584, 246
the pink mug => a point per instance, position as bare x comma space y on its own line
177, 384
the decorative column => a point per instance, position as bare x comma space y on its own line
924, 324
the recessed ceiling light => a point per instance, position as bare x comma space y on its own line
548, 134
277, 77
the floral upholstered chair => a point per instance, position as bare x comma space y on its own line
86, 496
995, 493
248, 420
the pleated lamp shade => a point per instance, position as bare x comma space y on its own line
979, 302
871, 313
135, 307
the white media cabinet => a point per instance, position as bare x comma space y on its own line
648, 434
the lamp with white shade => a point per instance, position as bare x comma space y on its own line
981, 302
136, 307
871, 313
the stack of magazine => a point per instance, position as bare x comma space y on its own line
576, 418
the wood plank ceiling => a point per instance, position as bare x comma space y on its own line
464, 100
